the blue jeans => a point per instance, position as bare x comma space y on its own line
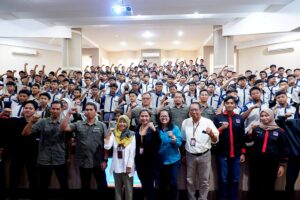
229, 176
168, 178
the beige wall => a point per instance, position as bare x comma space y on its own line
52, 59
172, 55
124, 57
258, 58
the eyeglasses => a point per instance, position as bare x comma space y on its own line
164, 116
194, 110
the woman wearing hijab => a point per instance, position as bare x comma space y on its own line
67, 105
123, 142
147, 157
267, 156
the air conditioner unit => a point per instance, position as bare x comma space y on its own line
25, 52
280, 48
151, 55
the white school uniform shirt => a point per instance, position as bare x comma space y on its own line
111, 102
128, 155
244, 96
55, 97
156, 99
203, 140
16, 109
214, 101
281, 111
255, 113
294, 91
189, 99
146, 87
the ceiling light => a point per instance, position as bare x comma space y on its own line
149, 43
123, 43
180, 33
196, 13
118, 9
147, 34
176, 42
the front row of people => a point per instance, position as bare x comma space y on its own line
155, 152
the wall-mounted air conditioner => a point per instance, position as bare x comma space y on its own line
280, 48
150, 54
25, 52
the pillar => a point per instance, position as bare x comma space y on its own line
223, 49
72, 51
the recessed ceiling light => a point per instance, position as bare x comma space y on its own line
149, 43
147, 34
176, 42
123, 43
180, 33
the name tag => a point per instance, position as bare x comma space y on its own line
275, 133
96, 130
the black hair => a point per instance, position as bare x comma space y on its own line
46, 94
170, 125
230, 98
203, 90
280, 93
90, 104
254, 88
230, 91
113, 85
27, 92
57, 102
37, 85
34, 103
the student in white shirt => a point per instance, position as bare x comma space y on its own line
283, 109
123, 143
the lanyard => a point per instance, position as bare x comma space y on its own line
194, 129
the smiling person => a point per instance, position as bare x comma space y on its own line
268, 155
147, 157
122, 140
169, 154
230, 149
199, 133
21, 151
52, 146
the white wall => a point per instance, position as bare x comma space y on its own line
258, 58
52, 59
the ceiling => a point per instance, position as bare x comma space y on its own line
164, 19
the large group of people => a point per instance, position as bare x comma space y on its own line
156, 120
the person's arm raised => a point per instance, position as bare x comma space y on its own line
64, 126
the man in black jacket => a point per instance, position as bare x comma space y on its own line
230, 149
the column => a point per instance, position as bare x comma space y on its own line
223, 49
72, 51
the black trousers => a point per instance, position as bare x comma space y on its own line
86, 175
16, 167
2, 180
293, 168
263, 174
148, 178
61, 172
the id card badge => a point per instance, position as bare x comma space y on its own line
141, 150
120, 152
193, 142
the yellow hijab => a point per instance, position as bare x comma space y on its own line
124, 138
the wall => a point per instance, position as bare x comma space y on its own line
258, 58
124, 57
172, 55
52, 59
93, 53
